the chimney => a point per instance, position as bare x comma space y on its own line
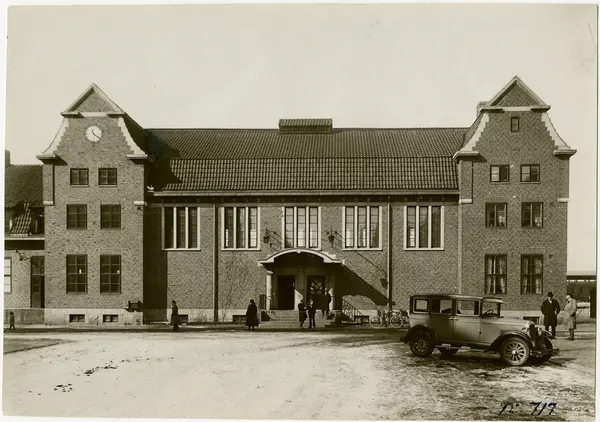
6, 158
481, 104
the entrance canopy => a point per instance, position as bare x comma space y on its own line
327, 258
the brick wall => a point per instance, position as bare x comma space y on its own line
20, 296
75, 151
532, 145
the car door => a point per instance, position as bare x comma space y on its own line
467, 322
441, 318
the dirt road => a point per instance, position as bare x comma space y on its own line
278, 376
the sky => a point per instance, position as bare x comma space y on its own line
391, 65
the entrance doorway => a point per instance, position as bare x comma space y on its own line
286, 286
37, 281
316, 289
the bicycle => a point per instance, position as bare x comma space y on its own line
393, 318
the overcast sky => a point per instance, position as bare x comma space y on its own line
362, 65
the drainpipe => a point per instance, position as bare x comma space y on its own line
215, 264
389, 253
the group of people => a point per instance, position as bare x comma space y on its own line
550, 309
310, 310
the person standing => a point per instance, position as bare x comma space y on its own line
571, 316
252, 315
550, 309
11, 320
175, 316
326, 303
301, 312
312, 311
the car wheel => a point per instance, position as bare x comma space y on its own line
515, 351
446, 352
547, 346
421, 344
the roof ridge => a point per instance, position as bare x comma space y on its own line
335, 128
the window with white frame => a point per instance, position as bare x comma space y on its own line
240, 227
7, 275
181, 227
362, 227
424, 227
301, 227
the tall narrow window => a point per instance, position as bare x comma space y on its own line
514, 124
181, 228
313, 221
531, 214
110, 273
374, 227
240, 228
301, 227
76, 273
361, 230
531, 274
349, 231
495, 274
424, 227
289, 227
7, 275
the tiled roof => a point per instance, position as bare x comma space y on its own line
233, 144
311, 174
23, 183
267, 160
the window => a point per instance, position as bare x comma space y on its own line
427, 232
362, 227
441, 306
499, 173
495, 215
495, 274
301, 227
514, 124
531, 274
421, 305
110, 318
8, 220
467, 307
76, 318
240, 228
7, 275
110, 216
79, 177
37, 274
530, 173
76, 216
76, 273
110, 273
181, 227
107, 177
531, 214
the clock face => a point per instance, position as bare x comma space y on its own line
93, 133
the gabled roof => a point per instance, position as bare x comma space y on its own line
516, 94
23, 183
93, 99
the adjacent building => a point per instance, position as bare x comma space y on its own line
119, 220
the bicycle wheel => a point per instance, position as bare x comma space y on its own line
395, 320
405, 322
376, 321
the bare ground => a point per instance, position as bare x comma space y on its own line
303, 375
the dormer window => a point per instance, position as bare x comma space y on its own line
514, 124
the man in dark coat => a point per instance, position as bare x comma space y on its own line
312, 311
252, 315
550, 309
326, 302
175, 316
301, 313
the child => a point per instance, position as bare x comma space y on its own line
11, 320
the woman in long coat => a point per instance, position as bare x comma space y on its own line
252, 315
571, 316
175, 316
302, 312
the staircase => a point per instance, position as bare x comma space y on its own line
289, 319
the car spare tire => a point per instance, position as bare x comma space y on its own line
422, 344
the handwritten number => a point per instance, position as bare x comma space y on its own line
552, 405
537, 404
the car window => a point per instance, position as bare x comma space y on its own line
441, 306
490, 308
467, 307
421, 305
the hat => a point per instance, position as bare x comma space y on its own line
550, 294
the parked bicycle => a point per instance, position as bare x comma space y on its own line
390, 317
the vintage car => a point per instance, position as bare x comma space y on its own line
453, 322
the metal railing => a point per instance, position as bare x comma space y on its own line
350, 313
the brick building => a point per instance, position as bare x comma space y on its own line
133, 218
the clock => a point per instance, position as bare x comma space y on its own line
93, 133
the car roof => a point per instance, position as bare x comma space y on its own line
459, 297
